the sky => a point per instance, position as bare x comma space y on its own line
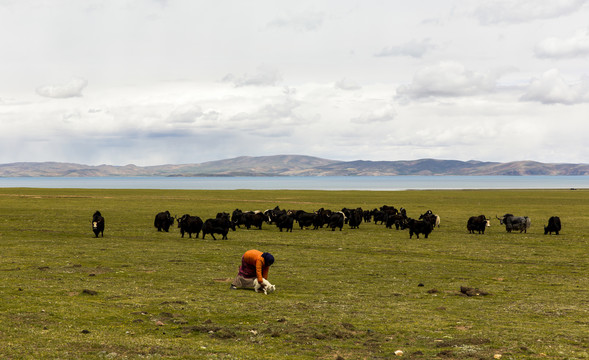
153, 82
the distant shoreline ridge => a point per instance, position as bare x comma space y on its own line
297, 165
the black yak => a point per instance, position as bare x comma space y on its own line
98, 224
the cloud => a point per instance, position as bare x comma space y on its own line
551, 88
185, 114
413, 48
304, 21
71, 89
263, 77
513, 12
575, 46
447, 79
277, 116
346, 84
287, 90
384, 114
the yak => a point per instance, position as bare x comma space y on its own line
477, 223
511, 222
217, 226
190, 224
98, 224
553, 225
337, 219
285, 222
163, 221
418, 227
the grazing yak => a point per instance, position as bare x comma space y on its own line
379, 215
337, 219
431, 218
98, 224
418, 227
367, 216
389, 210
274, 214
553, 225
163, 221
305, 219
514, 223
253, 218
398, 220
322, 217
223, 215
477, 223
190, 224
285, 222
219, 225
355, 219
237, 218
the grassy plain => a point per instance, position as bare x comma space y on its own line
364, 293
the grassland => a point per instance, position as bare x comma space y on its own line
364, 293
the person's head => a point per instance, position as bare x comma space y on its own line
268, 259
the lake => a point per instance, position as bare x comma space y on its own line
381, 183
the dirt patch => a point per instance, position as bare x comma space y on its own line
304, 333
207, 327
462, 342
102, 350
463, 328
273, 331
213, 330
468, 291
174, 302
224, 333
446, 354
12, 269
166, 316
93, 271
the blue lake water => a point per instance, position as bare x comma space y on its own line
382, 183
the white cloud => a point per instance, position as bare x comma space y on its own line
521, 11
447, 79
303, 21
73, 88
551, 88
264, 76
276, 115
347, 84
384, 114
189, 118
413, 48
553, 47
187, 113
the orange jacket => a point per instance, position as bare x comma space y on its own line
254, 258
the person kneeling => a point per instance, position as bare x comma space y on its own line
254, 266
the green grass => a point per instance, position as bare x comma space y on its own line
137, 293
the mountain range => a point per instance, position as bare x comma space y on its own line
296, 165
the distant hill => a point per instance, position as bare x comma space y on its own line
443, 167
296, 165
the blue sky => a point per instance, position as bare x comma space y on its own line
159, 82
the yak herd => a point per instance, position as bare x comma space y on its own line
286, 219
